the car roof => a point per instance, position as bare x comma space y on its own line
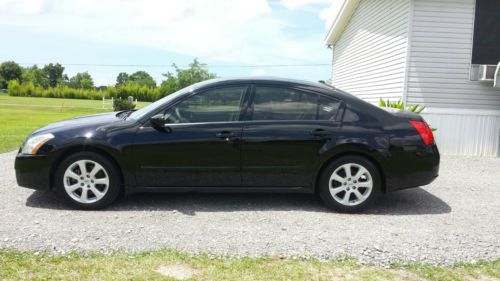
261, 80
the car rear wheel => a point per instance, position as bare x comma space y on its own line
87, 180
349, 184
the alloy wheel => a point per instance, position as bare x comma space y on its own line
86, 181
350, 184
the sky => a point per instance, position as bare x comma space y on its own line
233, 37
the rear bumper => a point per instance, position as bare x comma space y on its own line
415, 169
32, 171
415, 179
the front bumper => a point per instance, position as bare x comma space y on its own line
32, 171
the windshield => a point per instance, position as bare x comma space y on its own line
138, 114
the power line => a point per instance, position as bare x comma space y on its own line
168, 66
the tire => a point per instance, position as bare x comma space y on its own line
97, 187
349, 193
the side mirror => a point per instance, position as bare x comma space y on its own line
158, 122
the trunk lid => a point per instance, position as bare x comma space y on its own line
404, 114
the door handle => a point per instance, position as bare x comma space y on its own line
226, 135
320, 132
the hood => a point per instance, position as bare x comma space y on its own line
88, 121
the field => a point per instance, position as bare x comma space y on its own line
22, 115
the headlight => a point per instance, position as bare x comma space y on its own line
33, 144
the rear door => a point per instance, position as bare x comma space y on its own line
283, 138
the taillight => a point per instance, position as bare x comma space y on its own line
424, 131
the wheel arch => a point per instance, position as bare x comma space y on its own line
82, 148
356, 152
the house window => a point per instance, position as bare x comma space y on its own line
486, 46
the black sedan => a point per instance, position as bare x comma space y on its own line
235, 135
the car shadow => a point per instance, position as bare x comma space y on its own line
416, 201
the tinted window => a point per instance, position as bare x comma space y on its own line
486, 46
327, 108
290, 104
218, 105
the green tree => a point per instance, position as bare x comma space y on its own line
82, 80
122, 78
9, 70
196, 72
35, 76
54, 73
142, 78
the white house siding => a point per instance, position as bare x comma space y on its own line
466, 132
438, 77
440, 57
370, 56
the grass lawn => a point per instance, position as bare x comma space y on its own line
22, 115
164, 265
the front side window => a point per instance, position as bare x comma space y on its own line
290, 104
216, 105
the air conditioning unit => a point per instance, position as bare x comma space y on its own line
496, 83
487, 73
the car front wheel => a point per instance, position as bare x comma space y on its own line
87, 180
349, 184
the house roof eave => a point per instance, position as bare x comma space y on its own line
341, 20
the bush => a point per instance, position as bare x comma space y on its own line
141, 93
416, 108
123, 104
399, 105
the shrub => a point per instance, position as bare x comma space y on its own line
399, 105
14, 88
142, 93
123, 104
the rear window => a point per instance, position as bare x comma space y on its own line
272, 103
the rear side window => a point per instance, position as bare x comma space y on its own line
327, 108
289, 104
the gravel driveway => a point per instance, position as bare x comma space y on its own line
454, 219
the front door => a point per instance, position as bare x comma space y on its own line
285, 135
202, 147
